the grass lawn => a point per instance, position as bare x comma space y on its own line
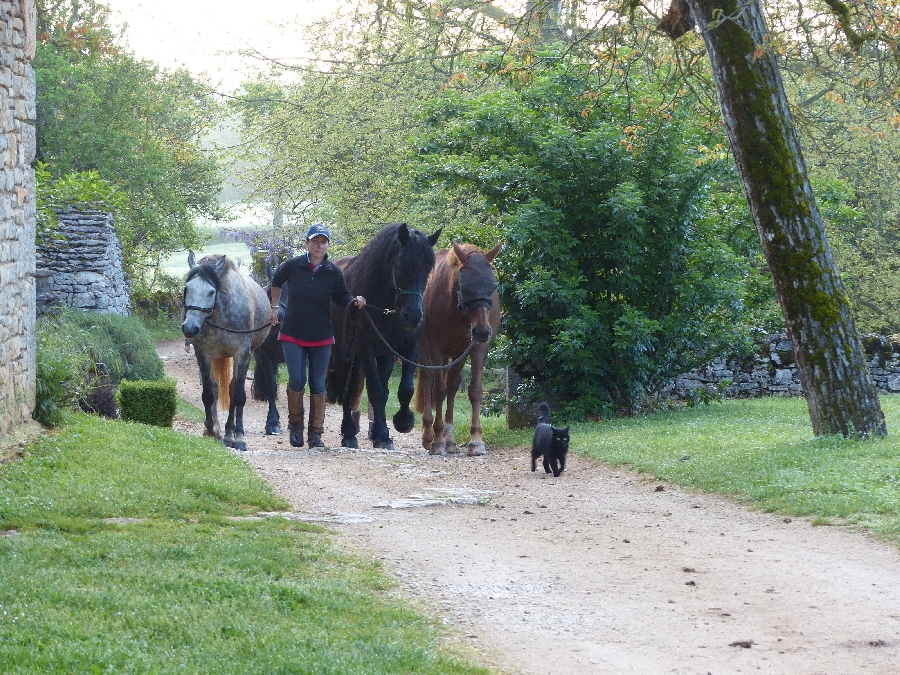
183, 587
757, 451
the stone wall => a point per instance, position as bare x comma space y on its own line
84, 270
771, 371
17, 212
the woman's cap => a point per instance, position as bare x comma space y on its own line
316, 230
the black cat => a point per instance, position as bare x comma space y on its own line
551, 442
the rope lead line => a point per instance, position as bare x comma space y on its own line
413, 363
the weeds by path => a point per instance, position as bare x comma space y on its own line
759, 451
119, 555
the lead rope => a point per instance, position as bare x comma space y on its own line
413, 363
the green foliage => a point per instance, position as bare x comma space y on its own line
72, 344
116, 130
186, 588
149, 402
79, 189
335, 144
615, 275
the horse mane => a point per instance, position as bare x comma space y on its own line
206, 268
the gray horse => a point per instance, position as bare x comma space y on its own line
226, 316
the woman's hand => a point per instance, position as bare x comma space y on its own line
360, 301
273, 316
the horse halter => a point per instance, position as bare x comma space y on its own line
475, 290
398, 292
205, 310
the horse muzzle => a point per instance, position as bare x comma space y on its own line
190, 329
481, 334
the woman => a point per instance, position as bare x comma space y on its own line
306, 332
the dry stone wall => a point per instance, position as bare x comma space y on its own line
83, 270
17, 212
772, 371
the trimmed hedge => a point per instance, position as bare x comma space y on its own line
149, 402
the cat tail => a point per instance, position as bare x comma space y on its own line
545, 413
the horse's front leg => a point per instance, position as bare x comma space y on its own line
209, 396
239, 399
454, 377
405, 418
378, 374
476, 394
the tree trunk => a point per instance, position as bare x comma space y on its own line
830, 358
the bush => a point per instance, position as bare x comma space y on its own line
152, 402
78, 352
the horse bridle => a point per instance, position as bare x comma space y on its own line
209, 310
398, 292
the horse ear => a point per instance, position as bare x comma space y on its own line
220, 265
490, 255
192, 260
403, 234
433, 239
460, 252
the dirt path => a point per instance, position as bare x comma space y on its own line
598, 571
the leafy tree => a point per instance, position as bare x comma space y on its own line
615, 275
136, 126
332, 139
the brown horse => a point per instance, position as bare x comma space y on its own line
461, 304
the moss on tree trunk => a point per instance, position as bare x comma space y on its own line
839, 389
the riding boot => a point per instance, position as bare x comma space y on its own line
316, 420
295, 417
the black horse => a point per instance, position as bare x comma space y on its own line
265, 372
391, 273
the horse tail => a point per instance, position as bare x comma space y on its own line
222, 367
262, 375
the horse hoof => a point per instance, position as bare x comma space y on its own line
273, 431
434, 450
240, 446
384, 445
477, 449
452, 448
350, 443
404, 421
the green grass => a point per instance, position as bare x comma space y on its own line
758, 451
185, 589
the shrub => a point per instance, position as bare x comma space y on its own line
78, 351
149, 402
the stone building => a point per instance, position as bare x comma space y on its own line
17, 212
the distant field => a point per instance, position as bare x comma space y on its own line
177, 265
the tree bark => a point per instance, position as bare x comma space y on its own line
831, 361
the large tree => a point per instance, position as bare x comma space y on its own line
839, 390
